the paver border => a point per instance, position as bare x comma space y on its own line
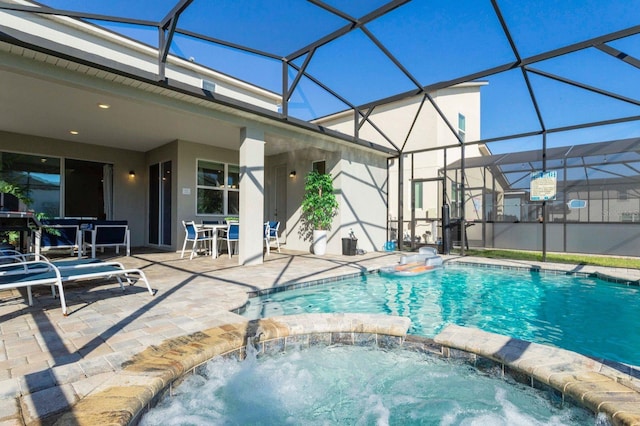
123, 397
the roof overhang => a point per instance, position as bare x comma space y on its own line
48, 89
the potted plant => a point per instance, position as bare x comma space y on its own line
319, 207
16, 190
11, 238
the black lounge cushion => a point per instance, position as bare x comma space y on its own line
108, 231
59, 232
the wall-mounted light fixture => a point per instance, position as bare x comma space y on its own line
292, 174
132, 173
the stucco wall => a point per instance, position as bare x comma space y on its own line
428, 131
362, 182
301, 161
360, 187
597, 238
187, 155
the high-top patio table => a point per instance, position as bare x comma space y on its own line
214, 228
23, 222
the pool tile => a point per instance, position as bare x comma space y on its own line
365, 339
342, 338
275, 346
320, 339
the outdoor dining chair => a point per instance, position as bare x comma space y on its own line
232, 235
271, 233
197, 236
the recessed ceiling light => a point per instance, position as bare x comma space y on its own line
104, 106
74, 132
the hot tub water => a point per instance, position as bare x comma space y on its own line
349, 385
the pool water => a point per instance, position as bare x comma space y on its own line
585, 315
356, 386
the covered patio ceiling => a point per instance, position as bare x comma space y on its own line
558, 69
50, 101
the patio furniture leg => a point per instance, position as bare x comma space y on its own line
80, 243
194, 247
63, 302
214, 245
184, 246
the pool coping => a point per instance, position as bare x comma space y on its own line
123, 397
590, 383
556, 270
545, 268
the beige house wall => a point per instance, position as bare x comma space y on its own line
129, 194
301, 161
360, 186
360, 183
359, 180
184, 157
428, 131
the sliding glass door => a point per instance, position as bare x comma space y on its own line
88, 188
160, 203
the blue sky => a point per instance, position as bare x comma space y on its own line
435, 40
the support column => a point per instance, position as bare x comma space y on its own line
251, 196
400, 235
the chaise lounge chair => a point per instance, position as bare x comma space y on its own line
17, 272
15, 257
32, 273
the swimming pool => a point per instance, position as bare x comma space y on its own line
582, 314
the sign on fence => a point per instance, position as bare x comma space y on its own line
577, 204
543, 185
